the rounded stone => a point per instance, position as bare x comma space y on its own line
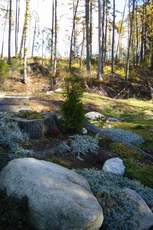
58, 198
114, 166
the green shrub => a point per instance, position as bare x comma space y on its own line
72, 109
4, 70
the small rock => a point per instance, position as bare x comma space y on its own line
49, 92
84, 131
115, 166
59, 90
94, 116
146, 215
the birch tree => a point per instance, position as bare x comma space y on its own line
25, 38
87, 19
113, 37
131, 18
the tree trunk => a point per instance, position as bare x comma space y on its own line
82, 47
17, 26
120, 32
130, 38
142, 35
55, 45
72, 34
88, 58
113, 37
100, 70
52, 32
152, 57
137, 40
34, 37
91, 26
103, 35
3, 37
9, 33
26, 23
106, 30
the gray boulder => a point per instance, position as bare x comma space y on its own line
115, 166
144, 212
94, 116
58, 198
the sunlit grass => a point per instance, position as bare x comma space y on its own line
139, 171
120, 108
118, 70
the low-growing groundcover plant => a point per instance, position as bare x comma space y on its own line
84, 144
122, 136
80, 145
119, 212
72, 109
12, 137
14, 214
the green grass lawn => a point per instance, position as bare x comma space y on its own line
138, 117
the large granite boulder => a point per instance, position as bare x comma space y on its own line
144, 212
114, 166
58, 198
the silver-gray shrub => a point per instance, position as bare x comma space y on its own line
84, 144
119, 211
122, 136
12, 137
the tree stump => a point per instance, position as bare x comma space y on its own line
34, 128
50, 123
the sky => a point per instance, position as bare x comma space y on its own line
43, 9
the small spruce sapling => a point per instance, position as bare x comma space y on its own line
72, 109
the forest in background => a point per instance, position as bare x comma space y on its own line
102, 47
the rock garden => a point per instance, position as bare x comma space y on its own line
75, 169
